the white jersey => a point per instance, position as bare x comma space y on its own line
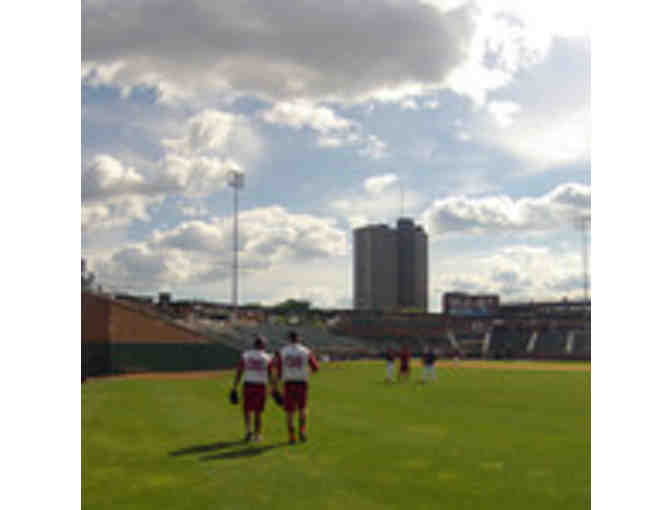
255, 365
295, 360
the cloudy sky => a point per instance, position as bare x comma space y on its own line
479, 111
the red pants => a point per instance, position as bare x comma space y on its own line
296, 394
254, 397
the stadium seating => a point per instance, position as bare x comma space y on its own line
471, 344
318, 339
551, 344
508, 342
581, 345
505, 342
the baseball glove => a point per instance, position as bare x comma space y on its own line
233, 396
278, 398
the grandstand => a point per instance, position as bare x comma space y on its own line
581, 344
551, 343
508, 342
471, 345
241, 336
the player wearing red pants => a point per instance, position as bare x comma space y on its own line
294, 364
255, 369
404, 363
389, 360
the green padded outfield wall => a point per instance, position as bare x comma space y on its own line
169, 357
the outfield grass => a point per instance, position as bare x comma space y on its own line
476, 438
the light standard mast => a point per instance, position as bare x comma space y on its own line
236, 180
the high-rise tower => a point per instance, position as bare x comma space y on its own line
390, 267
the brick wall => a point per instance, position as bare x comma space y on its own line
124, 337
95, 319
106, 320
130, 325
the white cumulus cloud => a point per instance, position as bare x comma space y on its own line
558, 209
518, 272
195, 164
334, 130
503, 112
199, 251
378, 183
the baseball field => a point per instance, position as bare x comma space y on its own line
484, 435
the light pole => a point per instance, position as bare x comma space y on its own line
235, 179
583, 223
585, 227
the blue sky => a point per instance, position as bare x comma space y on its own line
480, 110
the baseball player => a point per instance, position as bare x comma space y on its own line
389, 358
293, 365
255, 369
404, 363
428, 359
456, 358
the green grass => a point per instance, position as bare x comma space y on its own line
476, 438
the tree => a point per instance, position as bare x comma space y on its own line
292, 306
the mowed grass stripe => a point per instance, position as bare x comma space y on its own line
475, 438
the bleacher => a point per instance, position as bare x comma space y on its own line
241, 336
218, 331
471, 345
317, 339
508, 342
505, 342
551, 343
581, 345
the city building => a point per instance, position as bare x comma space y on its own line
412, 255
390, 267
375, 268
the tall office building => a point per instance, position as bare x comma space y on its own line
390, 267
375, 268
412, 279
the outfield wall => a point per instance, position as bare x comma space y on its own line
119, 337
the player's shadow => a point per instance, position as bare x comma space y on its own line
205, 448
246, 452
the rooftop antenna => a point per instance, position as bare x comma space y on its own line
401, 186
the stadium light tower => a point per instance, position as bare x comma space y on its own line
583, 223
236, 179
585, 220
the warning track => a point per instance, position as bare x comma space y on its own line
559, 366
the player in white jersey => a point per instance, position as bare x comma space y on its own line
294, 363
255, 369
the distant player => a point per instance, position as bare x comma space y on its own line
255, 369
456, 358
428, 360
404, 363
293, 366
389, 359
